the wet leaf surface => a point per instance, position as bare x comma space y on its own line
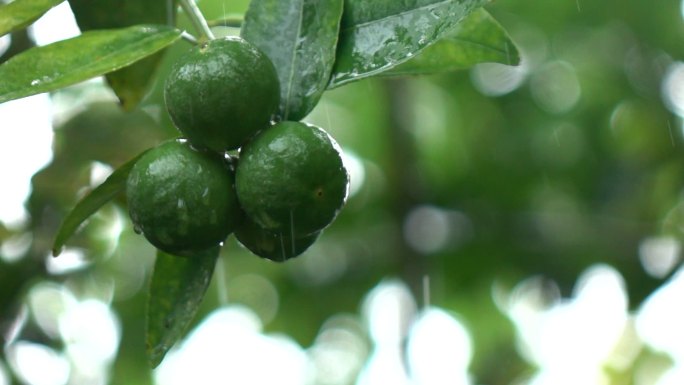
130, 83
70, 61
300, 37
20, 13
176, 292
477, 39
379, 35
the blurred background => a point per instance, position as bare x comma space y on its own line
506, 225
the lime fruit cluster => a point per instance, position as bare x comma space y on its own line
286, 185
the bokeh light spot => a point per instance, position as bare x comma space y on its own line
37, 364
338, 352
659, 255
228, 347
555, 87
5, 42
439, 349
26, 144
673, 88
493, 79
56, 24
659, 320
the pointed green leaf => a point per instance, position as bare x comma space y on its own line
477, 39
300, 37
92, 202
176, 292
20, 13
379, 35
66, 62
129, 83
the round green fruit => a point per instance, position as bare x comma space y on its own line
290, 179
181, 199
221, 93
276, 247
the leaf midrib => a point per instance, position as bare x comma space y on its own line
293, 61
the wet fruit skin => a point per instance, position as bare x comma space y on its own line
221, 93
291, 180
276, 247
181, 199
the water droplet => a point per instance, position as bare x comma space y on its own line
35, 82
137, 229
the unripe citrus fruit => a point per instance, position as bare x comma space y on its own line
291, 180
276, 247
221, 93
181, 199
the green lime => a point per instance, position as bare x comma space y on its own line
221, 93
181, 199
276, 247
290, 179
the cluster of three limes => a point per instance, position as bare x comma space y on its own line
286, 185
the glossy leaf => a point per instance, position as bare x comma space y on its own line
94, 53
110, 188
477, 39
20, 13
130, 83
176, 292
300, 37
379, 35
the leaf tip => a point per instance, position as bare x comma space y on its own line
156, 355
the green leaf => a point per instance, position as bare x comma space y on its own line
300, 37
92, 202
129, 83
66, 62
176, 292
379, 35
20, 13
477, 39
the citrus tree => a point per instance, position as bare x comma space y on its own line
244, 162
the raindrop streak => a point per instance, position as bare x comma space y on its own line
508, 53
578, 6
169, 13
669, 128
282, 248
221, 288
327, 115
426, 291
292, 237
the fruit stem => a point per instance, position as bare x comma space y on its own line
188, 37
197, 18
